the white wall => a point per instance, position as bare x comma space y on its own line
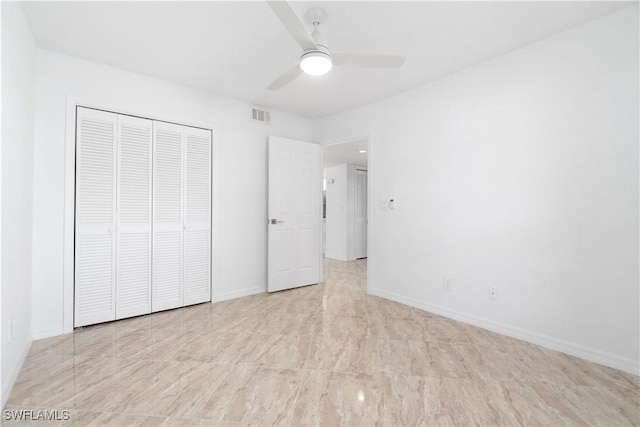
18, 83
241, 171
336, 220
519, 173
340, 220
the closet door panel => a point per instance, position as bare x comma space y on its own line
133, 285
95, 243
167, 285
197, 214
196, 267
167, 270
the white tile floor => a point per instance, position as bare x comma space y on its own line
321, 355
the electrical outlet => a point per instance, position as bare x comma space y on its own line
446, 284
493, 293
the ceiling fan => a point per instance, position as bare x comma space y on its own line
316, 58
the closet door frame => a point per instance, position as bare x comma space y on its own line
68, 253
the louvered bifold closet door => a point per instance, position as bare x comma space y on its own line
166, 288
95, 242
133, 263
197, 216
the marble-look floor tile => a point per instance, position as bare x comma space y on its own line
349, 306
279, 351
320, 355
445, 330
344, 326
402, 357
350, 399
397, 328
380, 307
340, 355
489, 362
598, 405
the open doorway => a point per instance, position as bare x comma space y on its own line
345, 213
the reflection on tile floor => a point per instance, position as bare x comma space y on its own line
320, 355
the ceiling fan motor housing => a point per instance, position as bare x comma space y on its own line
321, 50
316, 61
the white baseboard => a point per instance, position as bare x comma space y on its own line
39, 335
593, 355
238, 294
9, 378
339, 258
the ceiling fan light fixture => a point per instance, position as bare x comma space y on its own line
316, 63
316, 59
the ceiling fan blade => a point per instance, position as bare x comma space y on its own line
286, 78
367, 61
292, 23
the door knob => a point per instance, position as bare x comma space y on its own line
275, 221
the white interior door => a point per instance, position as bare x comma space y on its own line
95, 243
167, 287
133, 230
295, 215
360, 229
197, 216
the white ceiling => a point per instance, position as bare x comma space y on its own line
348, 152
238, 48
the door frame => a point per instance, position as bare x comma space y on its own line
355, 171
68, 247
369, 137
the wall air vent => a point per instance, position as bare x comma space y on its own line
260, 115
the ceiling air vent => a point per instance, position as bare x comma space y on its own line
260, 115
